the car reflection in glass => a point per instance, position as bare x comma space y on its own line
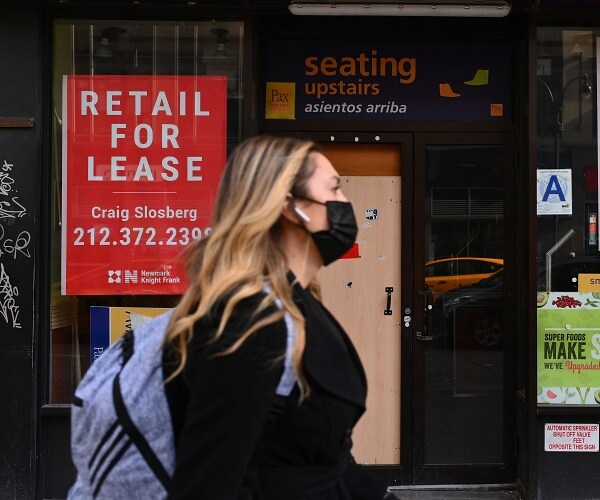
444, 275
473, 314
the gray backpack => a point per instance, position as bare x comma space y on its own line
122, 441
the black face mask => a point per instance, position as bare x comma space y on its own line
334, 242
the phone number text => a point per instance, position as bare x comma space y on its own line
138, 236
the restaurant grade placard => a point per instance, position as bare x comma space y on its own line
142, 158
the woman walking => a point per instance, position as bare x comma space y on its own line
280, 215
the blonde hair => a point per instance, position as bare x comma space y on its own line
243, 251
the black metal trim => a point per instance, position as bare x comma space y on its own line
567, 410
55, 410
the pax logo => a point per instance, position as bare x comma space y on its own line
277, 96
280, 102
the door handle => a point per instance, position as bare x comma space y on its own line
427, 319
388, 309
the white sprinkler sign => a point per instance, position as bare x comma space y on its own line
571, 437
554, 192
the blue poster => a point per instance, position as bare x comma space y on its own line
341, 80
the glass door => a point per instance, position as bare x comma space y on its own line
462, 336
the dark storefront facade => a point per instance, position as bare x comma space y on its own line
468, 146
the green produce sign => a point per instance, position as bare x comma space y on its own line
568, 348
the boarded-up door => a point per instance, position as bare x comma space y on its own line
363, 291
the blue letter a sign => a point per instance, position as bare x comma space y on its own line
553, 187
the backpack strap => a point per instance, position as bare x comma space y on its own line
136, 436
127, 346
124, 418
288, 377
284, 389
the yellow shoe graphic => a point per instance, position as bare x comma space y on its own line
481, 77
446, 90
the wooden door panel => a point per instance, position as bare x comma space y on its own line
354, 289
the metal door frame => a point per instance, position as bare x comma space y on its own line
413, 425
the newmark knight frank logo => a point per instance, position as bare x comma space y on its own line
131, 276
114, 276
280, 102
117, 276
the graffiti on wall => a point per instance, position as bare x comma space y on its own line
14, 244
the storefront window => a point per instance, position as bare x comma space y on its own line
568, 258
142, 52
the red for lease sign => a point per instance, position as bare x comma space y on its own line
142, 159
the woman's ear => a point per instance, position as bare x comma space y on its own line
292, 212
287, 211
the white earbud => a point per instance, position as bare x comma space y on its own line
301, 214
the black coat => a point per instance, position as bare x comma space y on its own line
230, 445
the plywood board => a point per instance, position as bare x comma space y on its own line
354, 289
